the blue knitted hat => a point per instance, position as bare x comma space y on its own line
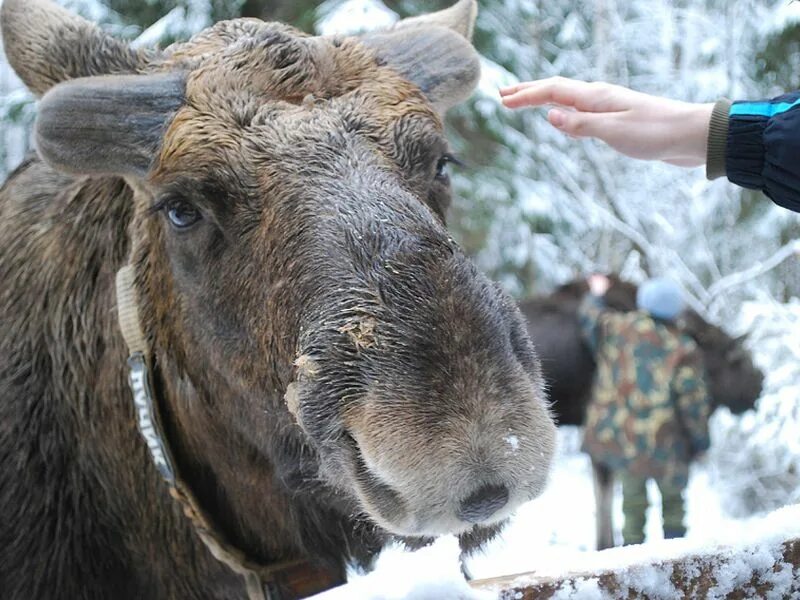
661, 297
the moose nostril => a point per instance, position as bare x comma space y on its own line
483, 503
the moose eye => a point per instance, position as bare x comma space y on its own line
181, 214
441, 166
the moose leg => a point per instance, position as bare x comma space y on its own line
603, 497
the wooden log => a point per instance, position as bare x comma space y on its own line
761, 570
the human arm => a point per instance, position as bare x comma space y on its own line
635, 124
755, 144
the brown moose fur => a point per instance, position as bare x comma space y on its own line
319, 264
52, 45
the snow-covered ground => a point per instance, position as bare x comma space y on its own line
554, 534
550, 532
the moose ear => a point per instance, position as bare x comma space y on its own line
434, 52
460, 18
111, 125
46, 45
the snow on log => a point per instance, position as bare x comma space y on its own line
759, 559
765, 565
753, 572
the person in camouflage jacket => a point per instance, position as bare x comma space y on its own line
648, 416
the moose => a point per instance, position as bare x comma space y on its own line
732, 378
248, 229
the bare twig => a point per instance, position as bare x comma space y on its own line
736, 279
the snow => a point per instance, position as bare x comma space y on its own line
167, 26
513, 442
786, 15
554, 535
585, 588
94, 10
428, 574
734, 569
353, 16
757, 457
493, 77
557, 529
760, 534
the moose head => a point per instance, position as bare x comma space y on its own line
313, 323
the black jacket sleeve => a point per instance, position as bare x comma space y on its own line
757, 145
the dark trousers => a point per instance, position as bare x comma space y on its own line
634, 507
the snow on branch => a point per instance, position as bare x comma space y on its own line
171, 24
758, 269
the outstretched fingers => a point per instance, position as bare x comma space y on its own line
555, 90
635, 124
517, 87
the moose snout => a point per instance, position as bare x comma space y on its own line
482, 503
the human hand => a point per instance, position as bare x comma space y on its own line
598, 284
635, 124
